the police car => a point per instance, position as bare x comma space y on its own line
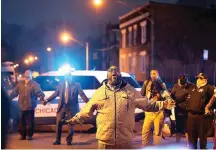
90, 82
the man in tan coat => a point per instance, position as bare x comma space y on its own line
115, 102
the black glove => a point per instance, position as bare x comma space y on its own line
159, 80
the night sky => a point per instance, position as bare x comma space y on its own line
36, 20
81, 13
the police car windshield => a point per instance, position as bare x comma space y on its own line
131, 81
50, 83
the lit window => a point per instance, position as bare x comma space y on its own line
143, 32
123, 33
135, 34
132, 63
130, 36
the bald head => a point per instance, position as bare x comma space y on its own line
113, 68
28, 75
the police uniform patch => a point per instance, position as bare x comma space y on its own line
200, 90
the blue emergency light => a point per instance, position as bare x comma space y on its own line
66, 68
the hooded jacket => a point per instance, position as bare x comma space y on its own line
115, 119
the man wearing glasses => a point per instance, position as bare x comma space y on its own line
198, 98
115, 102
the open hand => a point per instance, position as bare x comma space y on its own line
71, 121
169, 104
207, 112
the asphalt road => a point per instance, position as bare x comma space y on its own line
86, 140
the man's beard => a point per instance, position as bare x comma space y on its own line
114, 80
154, 79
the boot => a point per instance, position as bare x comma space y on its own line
157, 139
186, 138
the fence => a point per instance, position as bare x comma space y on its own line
170, 70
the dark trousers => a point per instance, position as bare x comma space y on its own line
26, 123
197, 129
181, 123
61, 115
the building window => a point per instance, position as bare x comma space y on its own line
129, 62
143, 61
130, 36
123, 33
135, 34
132, 63
143, 32
122, 63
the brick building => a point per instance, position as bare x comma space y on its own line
170, 38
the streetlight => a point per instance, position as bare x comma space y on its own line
66, 37
49, 49
151, 20
51, 54
26, 61
16, 65
31, 59
97, 2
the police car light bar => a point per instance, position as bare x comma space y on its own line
66, 68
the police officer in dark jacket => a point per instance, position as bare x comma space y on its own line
198, 98
179, 93
212, 106
28, 92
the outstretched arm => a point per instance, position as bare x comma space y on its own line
151, 105
87, 111
54, 95
212, 91
38, 92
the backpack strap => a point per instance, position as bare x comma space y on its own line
143, 90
